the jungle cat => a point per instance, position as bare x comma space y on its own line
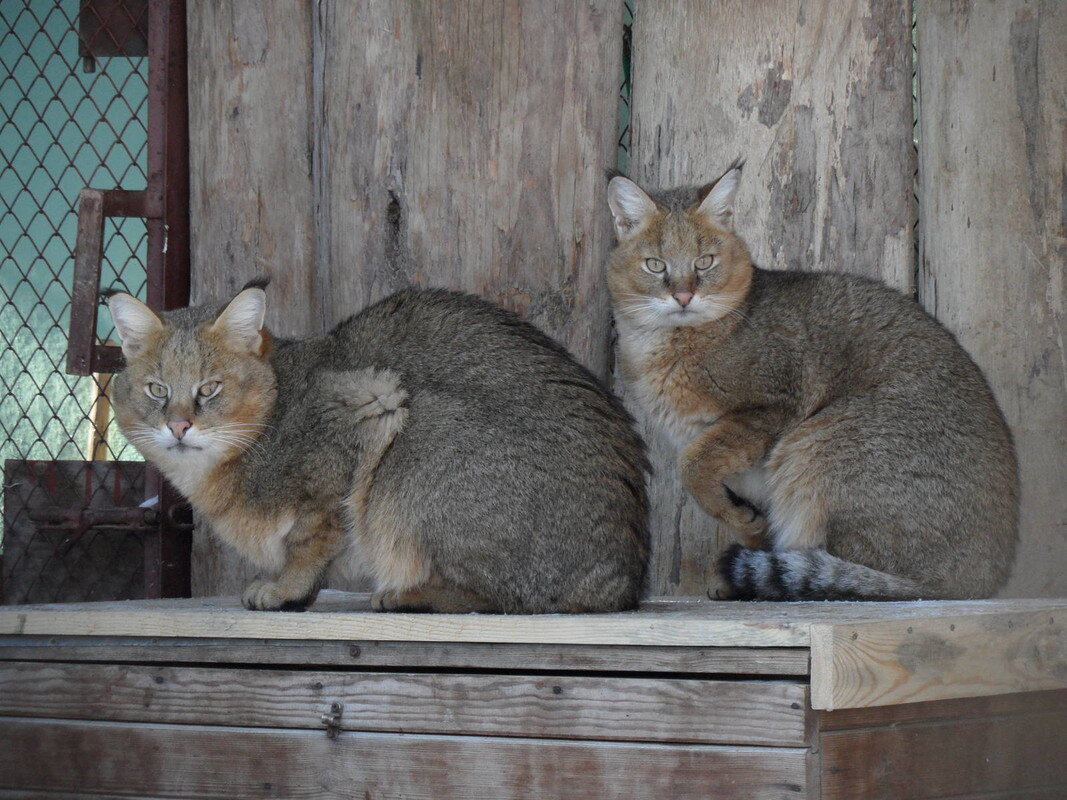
458, 452
827, 418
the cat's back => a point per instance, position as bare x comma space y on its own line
446, 340
842, 315
857, 335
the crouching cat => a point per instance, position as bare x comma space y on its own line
466, 458
827, 418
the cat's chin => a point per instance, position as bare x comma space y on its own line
682, 318
180, 447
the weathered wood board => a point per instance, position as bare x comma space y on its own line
765, 713
862, 654
227, 763
817, 98
250, 124
890, 662
464, 145
781, 661
1011, 747
993, 155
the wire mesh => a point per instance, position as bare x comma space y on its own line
73, 94
622, 161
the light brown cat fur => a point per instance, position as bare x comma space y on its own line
826, 418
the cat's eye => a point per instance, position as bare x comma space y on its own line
705, 262
157, 391
209, 389
655, 266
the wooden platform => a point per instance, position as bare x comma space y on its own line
683, 698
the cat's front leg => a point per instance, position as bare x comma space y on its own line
313, 542
732, 444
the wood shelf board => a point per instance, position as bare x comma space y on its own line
687, 622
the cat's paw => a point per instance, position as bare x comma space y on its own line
407, 600
379, 392
385, 600
264, 595
746, 521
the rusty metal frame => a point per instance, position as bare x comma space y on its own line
164, 205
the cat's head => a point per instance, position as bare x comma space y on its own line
197, 388
678, 260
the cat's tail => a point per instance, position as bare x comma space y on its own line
808, 575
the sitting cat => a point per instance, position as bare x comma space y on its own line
471, 462
863, 447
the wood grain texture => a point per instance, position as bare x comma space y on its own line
937, 658
250, 124
667, 622
767, 713
345, 616
993, 112
784, 661
464, 145
957, 710
187, 761
1018, 755
817, 98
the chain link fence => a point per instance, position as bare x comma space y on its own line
73, 94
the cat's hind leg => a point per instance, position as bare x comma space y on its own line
838, 515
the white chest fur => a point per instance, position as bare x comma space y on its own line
657, 388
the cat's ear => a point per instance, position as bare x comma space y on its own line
240, 324
718, 203
630, 206
135, 322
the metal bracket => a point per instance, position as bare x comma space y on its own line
332, 721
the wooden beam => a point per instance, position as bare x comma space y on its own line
343, 616
855, 665
683, 628
464, 145
251, 201
785, 661
1009, 749
993, 110
201, 762
552, 706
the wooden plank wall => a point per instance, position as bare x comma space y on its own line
349, 148
817, 98
250, 157
993, 144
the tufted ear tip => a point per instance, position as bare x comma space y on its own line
630, 206
240, 323
135, 322
720, 197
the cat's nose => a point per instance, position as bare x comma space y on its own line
683, 298
178, 427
